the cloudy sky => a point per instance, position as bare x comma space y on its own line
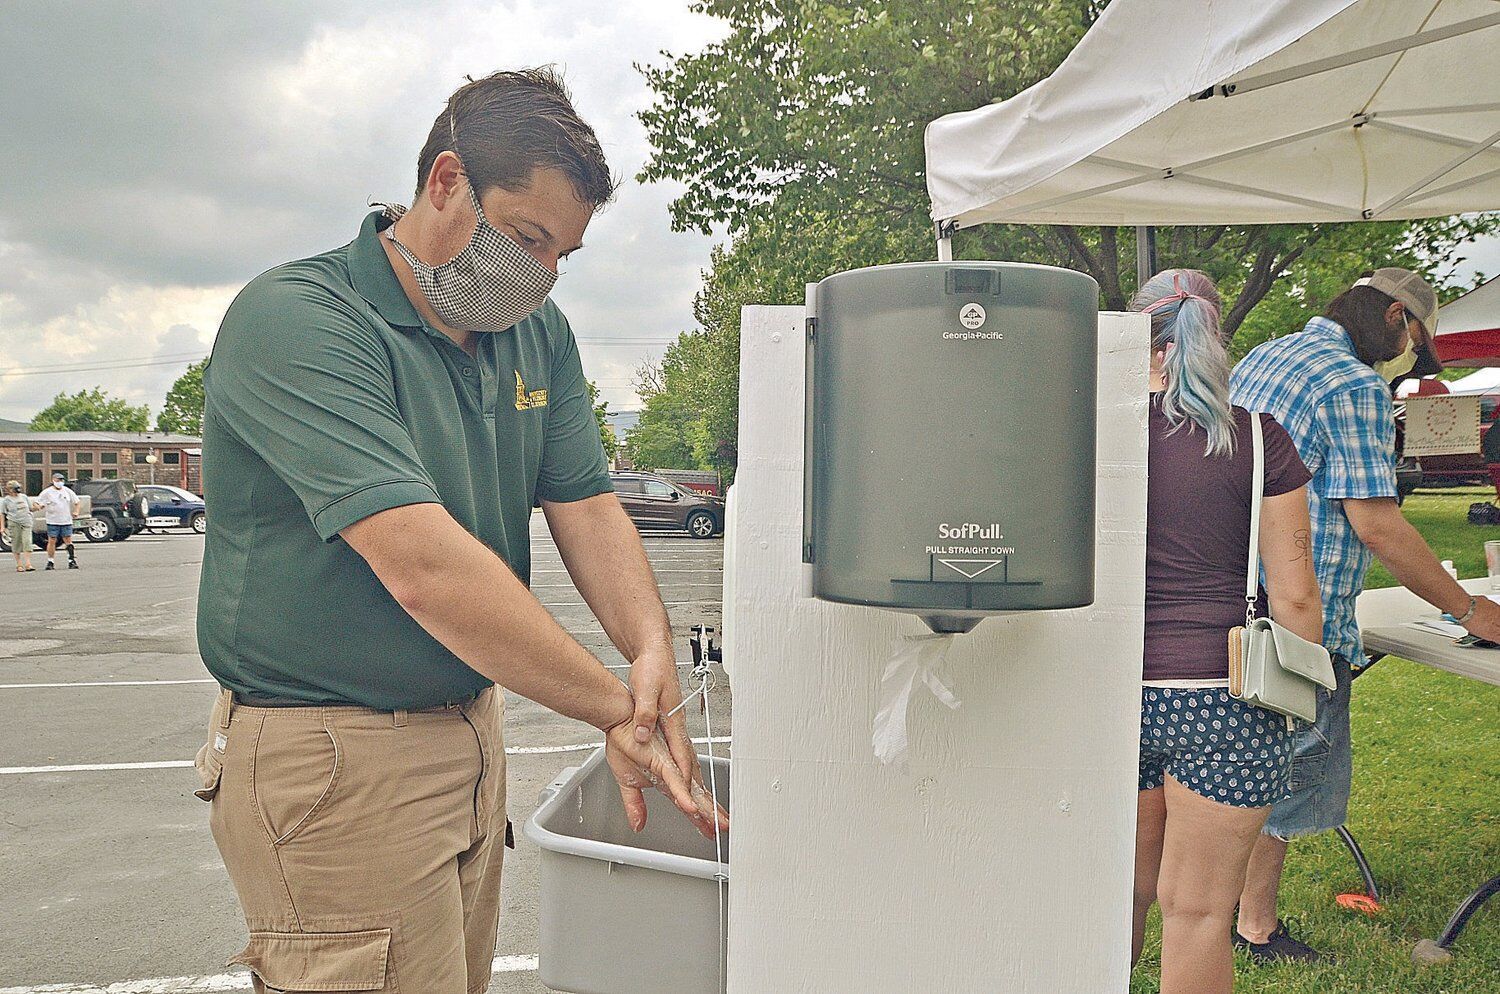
158, 156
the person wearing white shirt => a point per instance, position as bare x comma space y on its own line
60, 506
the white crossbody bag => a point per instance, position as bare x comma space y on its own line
1270, 666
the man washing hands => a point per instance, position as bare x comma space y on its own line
380, 421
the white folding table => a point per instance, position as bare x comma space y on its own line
1383, 616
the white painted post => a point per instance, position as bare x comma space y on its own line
1000, 861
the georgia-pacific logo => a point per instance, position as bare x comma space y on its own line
528, 401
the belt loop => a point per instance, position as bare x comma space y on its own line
226, 698
398, 718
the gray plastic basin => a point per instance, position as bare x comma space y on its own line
623, 913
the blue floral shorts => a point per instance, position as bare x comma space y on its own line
1215, 745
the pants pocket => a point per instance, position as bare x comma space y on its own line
210, 771
1309, 769
296, 767
319, 961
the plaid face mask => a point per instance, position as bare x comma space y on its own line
489, 286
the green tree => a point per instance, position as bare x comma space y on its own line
660, 439
91, 410
801, 132
183, 410
689, 420
601, 414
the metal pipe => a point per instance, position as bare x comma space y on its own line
1145, 254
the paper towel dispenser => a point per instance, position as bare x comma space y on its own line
949, 457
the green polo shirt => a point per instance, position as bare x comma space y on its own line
329, 400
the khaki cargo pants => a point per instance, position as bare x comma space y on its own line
365, 846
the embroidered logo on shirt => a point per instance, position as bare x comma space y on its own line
528, 401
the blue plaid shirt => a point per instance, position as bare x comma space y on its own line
1339, 414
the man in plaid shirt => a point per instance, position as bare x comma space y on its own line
1328, 387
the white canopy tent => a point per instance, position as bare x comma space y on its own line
1236, 112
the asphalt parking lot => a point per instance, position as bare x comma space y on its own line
112, 884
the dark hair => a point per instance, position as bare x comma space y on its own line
509, 124
1360, 310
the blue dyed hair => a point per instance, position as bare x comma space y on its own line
1184, 306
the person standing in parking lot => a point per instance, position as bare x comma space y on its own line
60, 505
380, 420
16, 508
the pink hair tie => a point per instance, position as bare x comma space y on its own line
1178, 294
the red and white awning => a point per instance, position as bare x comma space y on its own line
1469, 328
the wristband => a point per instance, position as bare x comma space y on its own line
1469, 614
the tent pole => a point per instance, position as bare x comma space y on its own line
1145, 254
944, 231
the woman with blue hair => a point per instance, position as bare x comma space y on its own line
1211, 765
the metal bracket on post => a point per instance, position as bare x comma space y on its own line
944, 231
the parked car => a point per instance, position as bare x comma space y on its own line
657, 503
39, 525
173, 507
117, 510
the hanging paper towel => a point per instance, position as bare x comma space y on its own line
914, 659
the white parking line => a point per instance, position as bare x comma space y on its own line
174, 764
708, 569
173, 683
166, 764
661, 586
215, 983
101, 683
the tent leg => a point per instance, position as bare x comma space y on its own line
1145, 254
944, 231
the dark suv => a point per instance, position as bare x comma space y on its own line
117, 509
654, 502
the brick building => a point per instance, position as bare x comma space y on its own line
33, 456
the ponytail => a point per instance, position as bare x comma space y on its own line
1184, 307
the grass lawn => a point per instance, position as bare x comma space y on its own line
1426, 809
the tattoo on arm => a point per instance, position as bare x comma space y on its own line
1303, 539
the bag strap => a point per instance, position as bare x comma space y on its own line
1257, 496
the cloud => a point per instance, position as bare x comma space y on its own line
185, 148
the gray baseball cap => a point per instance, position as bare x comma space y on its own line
1409, 288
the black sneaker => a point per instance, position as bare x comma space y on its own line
1280, 947
51, 564
72, 564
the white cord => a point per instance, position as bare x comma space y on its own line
706, 683
713, 785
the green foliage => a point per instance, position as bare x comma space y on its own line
182, 412
690, 418
91, 410
660, 439
801, 132
601, 415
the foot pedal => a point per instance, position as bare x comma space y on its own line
1363, 903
